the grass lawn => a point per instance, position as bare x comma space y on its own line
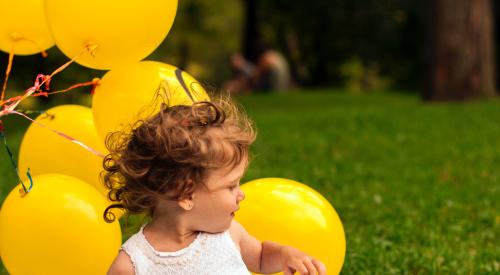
414, 184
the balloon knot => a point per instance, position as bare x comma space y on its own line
16, 37
95, 83
91, 47
22, 192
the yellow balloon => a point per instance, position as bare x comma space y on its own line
57, 228
123, 32
292, 213
44, 151
126, 94
23, 27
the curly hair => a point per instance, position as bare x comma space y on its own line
168, 155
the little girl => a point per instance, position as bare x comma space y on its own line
183, 167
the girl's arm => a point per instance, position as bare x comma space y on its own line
270, 257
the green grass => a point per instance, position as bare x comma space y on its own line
416, 185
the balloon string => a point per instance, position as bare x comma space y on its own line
24, 190
79, 143
94, 83
40, 80
7, 71
11, 58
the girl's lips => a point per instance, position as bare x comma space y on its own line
232, 213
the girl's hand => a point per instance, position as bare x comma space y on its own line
294, 260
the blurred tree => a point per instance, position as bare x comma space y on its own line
321, 37
460, 44
370, 44
204, 35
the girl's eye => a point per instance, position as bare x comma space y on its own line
232, 187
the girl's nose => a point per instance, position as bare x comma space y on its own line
241, 195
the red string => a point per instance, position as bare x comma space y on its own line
92, 83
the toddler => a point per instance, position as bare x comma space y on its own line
182, 167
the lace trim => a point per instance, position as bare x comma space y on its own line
179, 252
207, 254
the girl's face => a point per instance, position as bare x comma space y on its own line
215, 205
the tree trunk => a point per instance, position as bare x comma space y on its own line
251, 32
460, 50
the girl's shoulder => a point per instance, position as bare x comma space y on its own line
236, 231
122, 265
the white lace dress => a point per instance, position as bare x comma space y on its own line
208, 254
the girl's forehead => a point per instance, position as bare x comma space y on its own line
227, 173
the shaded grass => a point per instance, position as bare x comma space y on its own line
416, 185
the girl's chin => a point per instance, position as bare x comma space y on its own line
220, 228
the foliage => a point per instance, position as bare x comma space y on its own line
358, 78
204, 35
387, 34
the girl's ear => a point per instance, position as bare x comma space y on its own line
187, 203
